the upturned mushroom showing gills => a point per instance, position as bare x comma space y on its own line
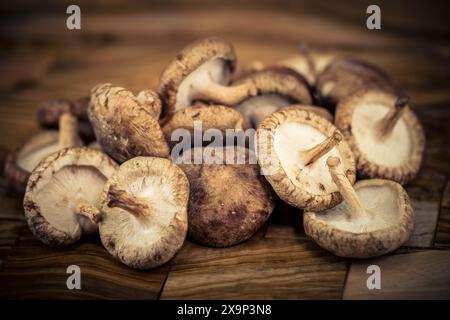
229, 199
126, 125
202, 71
277, 87
21, 161
292, 145
375, 217
144, 206
63, 193
345, 76
385, 135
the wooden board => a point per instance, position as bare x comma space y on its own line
417, 275
257, 269
42, 60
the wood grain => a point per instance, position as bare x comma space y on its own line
262, 269
443, 228
34, 271
418, 275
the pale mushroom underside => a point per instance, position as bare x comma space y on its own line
290, 140
395, 151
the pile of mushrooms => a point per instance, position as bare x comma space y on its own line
143, 196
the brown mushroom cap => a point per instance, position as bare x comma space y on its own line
144, 207
202, 71
386, 223
396, 155
56, 189
49, 112
320, 111
21, 161
309, 63
229, 201
211, 117
292, 147
277, 87
344, 77
125, 124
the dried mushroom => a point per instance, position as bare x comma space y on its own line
375, 217
202, 71
309, 63
63, 195
211, 117
385, 135
345, 76
126, 125
144, 206
229, 200
21, 161
277, 87
292, 147
49, 112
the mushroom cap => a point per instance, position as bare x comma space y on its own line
21, 161
49, 112
211, 117
221, 215
279, 140
309, 63
345, 76
320, 111
55, 188
390, 223
211, 55
123, 124
397, 158
277, 87
146, 242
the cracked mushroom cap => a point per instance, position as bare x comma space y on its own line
277, 87
292, 145
202, 71
385, 135
126, 125
210, 117
49, 113
144, 207
375, 218
58, 190
221, 214
21, 161
345, 76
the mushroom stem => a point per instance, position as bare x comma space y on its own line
68, 131
316, 152
385, 126
90, 212
227, 95
345, 188
126, 201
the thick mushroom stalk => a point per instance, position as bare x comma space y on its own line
68, 131
385, 126
90, 212
124, 200
208, 90
357, 211
312, 155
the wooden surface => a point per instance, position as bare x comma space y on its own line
41, 60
